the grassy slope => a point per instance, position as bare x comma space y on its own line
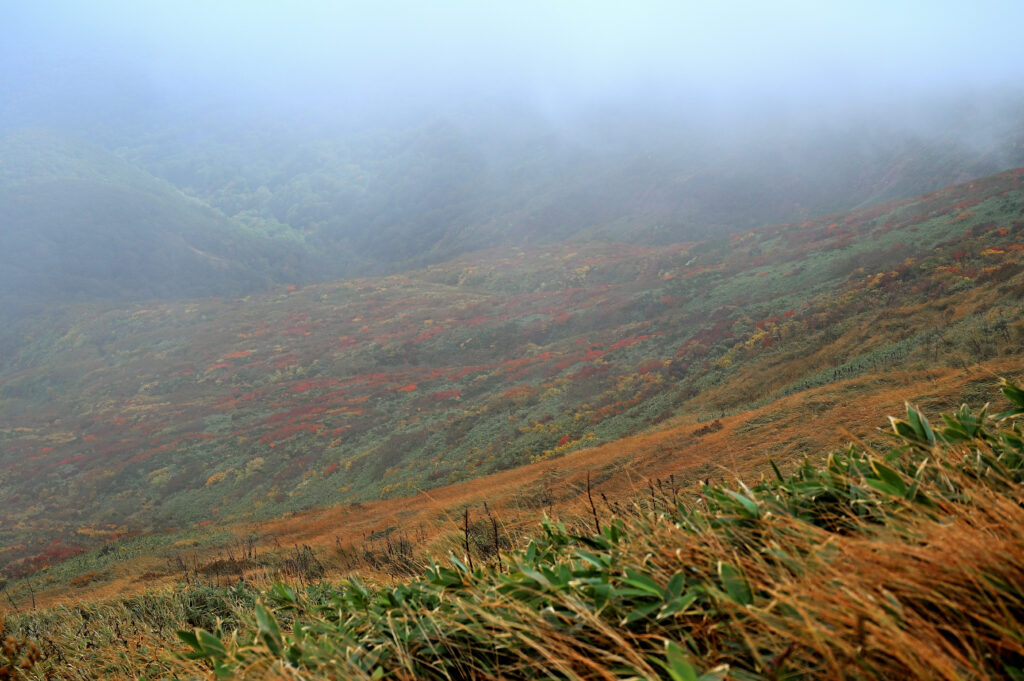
894, 562
797, 577
213, 411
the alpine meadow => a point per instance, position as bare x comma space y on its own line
569, 341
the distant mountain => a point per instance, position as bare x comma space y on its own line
175, 211
119, 418
386, 199
81, 223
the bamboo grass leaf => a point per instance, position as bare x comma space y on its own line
268, 629
642, 582
735, 584
677, 664
748, 505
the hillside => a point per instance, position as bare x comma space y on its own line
231, 207
894, 561
404, 194
400, 341
80, 223
216, 411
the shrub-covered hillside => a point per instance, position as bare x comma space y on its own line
119, 418
899, 563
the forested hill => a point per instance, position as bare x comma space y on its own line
229, 209
120, 418
407, 193
81, 223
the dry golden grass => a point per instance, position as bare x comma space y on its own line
919, 599
843, 411
835, 572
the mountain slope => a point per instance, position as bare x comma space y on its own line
238, 208
398, 196
80, 223
121, 419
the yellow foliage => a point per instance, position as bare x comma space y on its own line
255, 465
755, 340
92, 531
387, 490
357, 457
538, 428
58, 437
159, 477
556, 389
216, 478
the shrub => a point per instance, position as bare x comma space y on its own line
905, 564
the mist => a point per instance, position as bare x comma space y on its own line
168, 149
299, 60
258, 257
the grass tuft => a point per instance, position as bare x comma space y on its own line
906, 563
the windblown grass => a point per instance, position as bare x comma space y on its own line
904, 564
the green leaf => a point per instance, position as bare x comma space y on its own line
189, 637
462, 567
1016, 396
640, 612
883, 487
922, 430
1015, 673
642, 582
890, 477
204, 645
537, 577
735, 584
674, 588
284, 594
211, 645
269, 631
602, 593
677, 664
294, 654
192, 641
1013, 393
678, 605
597, 561
597, 541
446, 577
903, 429
748, 504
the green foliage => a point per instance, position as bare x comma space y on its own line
745, 582
684, 590
81, 223
373, 388
130, 637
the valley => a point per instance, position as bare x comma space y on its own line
460, 341
148, 424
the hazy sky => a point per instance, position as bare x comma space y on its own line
554, 54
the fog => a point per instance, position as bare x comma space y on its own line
169, 149
86, 60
